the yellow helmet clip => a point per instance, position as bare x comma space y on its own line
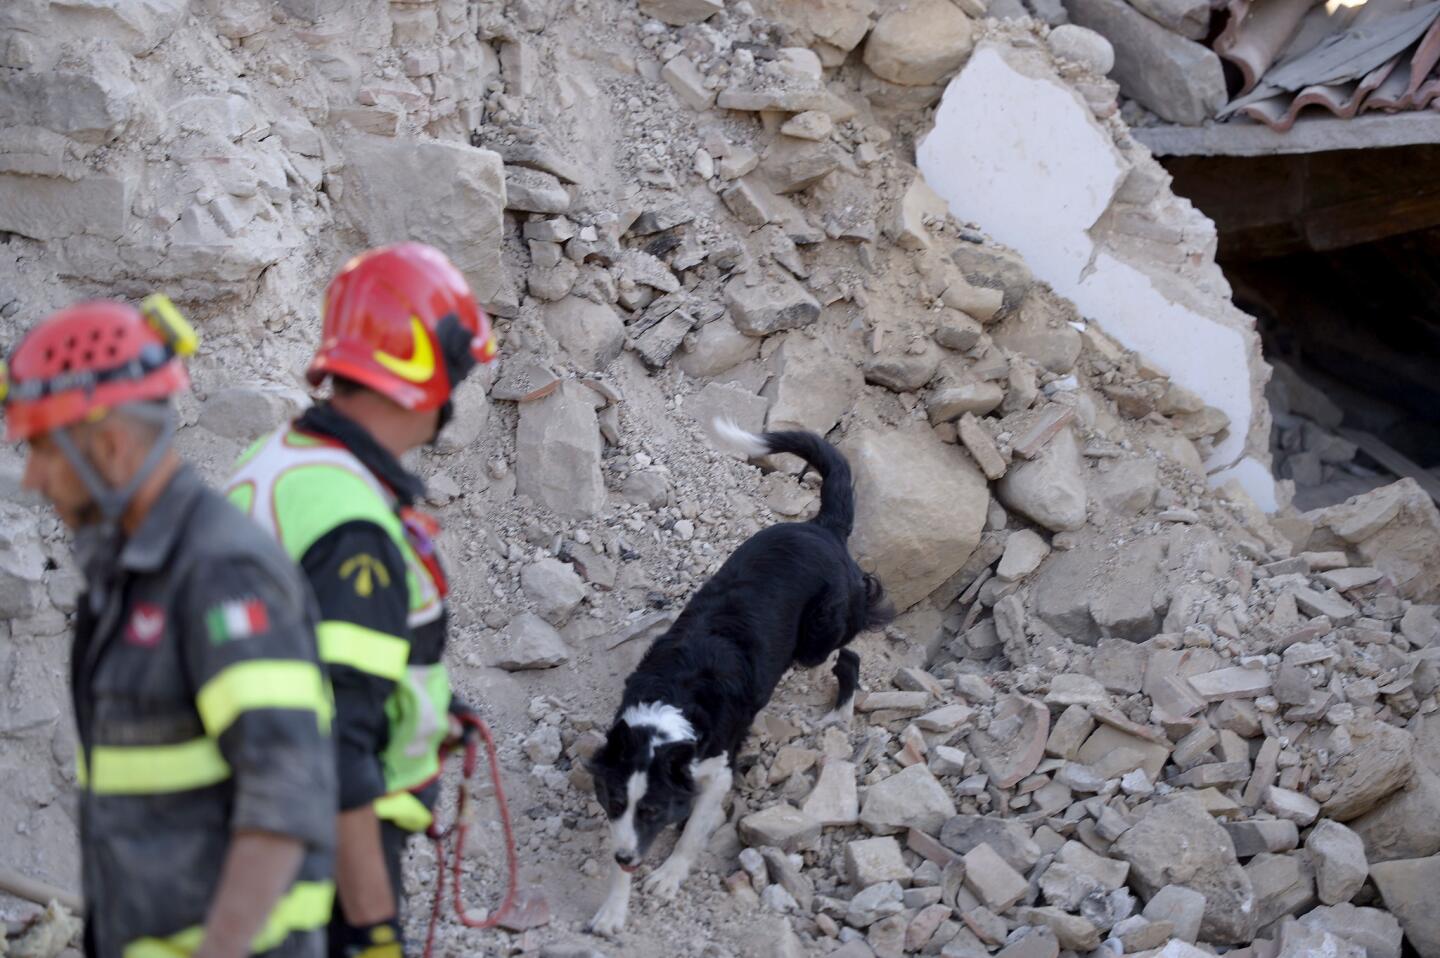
4, 380
173, 327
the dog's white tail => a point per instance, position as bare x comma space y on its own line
740, 441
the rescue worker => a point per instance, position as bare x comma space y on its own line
400, 330
202, 711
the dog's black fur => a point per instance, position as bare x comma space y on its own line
790, 595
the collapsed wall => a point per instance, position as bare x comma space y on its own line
679, 212
1047, 167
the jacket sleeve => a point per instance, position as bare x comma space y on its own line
251, 655
358, 576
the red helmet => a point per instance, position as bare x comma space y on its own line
87, 359
389, 314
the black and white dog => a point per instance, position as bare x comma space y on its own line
791, 594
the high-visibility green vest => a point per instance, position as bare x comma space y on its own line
299, 488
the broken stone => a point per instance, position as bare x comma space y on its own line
529, 642
1024, 551
1291, 805
678, 13
979, 444
921, 506
989, 878
957, 399
1182, 907
792, 164
919, 44
1041, 330
1205, 862
1338, 855
1231, 683
688, 83
533, 191
1050, 489
903, 371
1374, 931
1381, 761
811, 388
1014, 744
1283, 885
1405, 824
1408, 889
874, 860
590, 334
1262, 835
557, 452
554, 588
1071, 931
776, 303
1176, 78
1009, 839
781, 826
912, 798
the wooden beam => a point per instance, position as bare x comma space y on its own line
1394, 460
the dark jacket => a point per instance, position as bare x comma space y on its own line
201, 712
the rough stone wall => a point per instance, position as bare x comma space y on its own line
680, 211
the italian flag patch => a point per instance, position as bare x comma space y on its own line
237, 619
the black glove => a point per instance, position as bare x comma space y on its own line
381, 940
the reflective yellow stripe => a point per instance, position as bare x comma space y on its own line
305, 907
345, 643
262, 684
405, 810
153, 769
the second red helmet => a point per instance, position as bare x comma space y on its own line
401, 320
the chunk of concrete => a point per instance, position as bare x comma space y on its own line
590, 334
919, 44
776, 302
911, 798
921, 506
529, 642
557, 453
1050, 489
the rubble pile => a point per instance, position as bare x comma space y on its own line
1123, 713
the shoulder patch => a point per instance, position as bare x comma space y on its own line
236, 619
366, 570
146, 625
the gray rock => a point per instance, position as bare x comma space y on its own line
1010, 839
22, 565
1405, 824
781, 826
554, 588
1189, 18
557, 452
1375, 931
1041, 330
775, 303
1183, 907
835, 799
1339, 858
1128, 487
678, 13
647, 487
590, 334
1298, 941
529, 642
730, 402
911, 798
873, 860
716, 347
1408, 889
794, 164
920, 43
1283, 885
812, 385
1204, 861
534, 191
457, 206
1024, 551
1086, 47
1178, 79
1262, 835
1050, 489
245, 412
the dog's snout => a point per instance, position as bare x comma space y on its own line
625, 858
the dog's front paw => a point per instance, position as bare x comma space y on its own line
666, 880
609, 920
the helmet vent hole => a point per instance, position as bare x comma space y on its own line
112, 352
119, 332
65, 365
71, 342
94, 335
89, 356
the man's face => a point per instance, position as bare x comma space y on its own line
49, 473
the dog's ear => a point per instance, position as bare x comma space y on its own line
674, 762
619, 741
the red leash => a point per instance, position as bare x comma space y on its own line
455, 833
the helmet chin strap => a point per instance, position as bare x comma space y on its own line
113, 501
97, 545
